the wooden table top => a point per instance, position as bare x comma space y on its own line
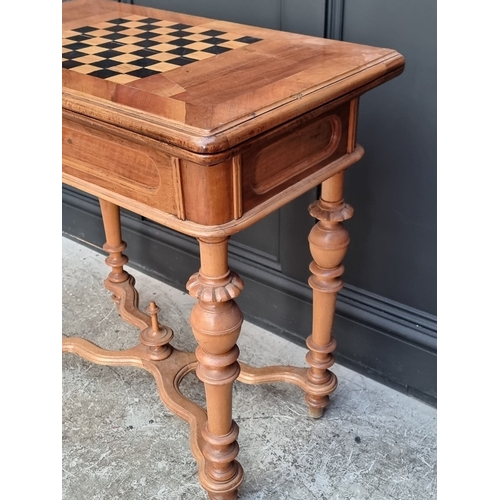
200, 84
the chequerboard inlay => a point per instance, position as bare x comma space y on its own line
127, 49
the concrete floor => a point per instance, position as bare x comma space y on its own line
120, 442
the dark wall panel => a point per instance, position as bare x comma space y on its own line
264, 13
307, 18
393, 188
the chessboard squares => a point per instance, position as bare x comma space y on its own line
126, 49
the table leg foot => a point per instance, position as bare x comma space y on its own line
315, 412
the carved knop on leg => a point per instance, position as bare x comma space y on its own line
331, 212
219, 289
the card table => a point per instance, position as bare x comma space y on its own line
207, 126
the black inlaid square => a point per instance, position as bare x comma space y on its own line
248, 39
146, 35
180, 26
150, 20
109, 54
76, 46
180, 33
84, 29
216, 49
78, 38
181, 51
104, 73
143, 53
212, 33
143, 72
181, 61
147, 43
181, 42
110, 45
71, 64
119, 20
143, 62
106, 63
74, 54
116, 29
214, 40
114, 36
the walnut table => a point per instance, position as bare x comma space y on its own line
206, 127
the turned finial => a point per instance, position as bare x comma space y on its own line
153, 311
156, 337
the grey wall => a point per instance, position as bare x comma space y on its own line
393, 250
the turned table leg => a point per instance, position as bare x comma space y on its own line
328, 241
119, 282
216, 322
114, 244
